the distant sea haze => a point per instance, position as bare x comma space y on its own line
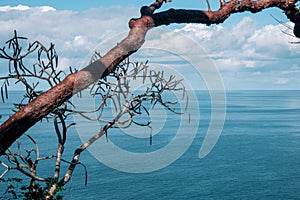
256, 157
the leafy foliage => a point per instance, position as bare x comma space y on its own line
16, 189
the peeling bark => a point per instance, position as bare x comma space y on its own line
26, 117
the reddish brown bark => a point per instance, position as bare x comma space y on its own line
227, 8
26, 117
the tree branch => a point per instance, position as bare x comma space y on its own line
26, 117
226, 9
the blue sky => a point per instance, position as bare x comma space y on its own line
79, 5
250, 51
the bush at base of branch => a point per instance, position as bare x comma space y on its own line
17, 190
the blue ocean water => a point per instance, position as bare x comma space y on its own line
256, 157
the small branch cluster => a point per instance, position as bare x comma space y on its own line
44, 71
117, 72
115, 89
129, 105
11, 129
24, 161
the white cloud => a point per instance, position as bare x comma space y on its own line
25, 8
282, 81
80, 40
47, 9
201, 31
75, 34
256, 73
292, 70
243, 30
241, 49
258, 54
64, 63
244, 43
10, 8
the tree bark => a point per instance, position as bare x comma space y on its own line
33, 112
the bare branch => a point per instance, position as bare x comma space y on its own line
226, 9
7, 169
45, 103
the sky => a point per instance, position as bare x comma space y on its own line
249, 51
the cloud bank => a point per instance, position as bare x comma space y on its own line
247, 57
75, 34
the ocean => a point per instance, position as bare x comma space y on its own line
256, 157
